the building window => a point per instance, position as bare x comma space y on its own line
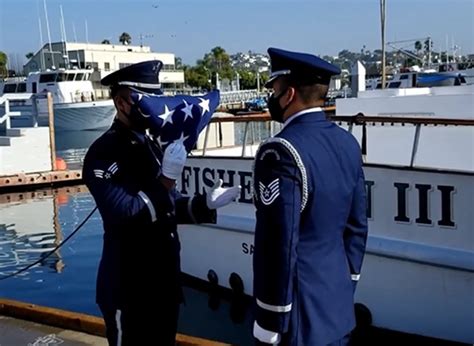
93, 65
123, 64
106, 66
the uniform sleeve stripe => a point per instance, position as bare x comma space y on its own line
266, 336
148, 203
190, 209
355, 277
274, 308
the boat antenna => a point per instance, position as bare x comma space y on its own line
382, 22
63, 36
49, 33
87, 33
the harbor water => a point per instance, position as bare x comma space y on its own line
33, 224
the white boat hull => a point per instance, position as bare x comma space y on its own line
82, 116
418, 274
79, 116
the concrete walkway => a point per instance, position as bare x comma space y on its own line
15, 332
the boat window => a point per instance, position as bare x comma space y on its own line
79, 76
61, 77
21, 88
70, 76
379, 86
33, 88
405, 76
9, 88
88, 76
48, 78
394, 85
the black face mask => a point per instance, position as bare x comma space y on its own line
138, 121
276, 111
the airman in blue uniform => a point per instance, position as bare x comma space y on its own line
311, 225
132, 182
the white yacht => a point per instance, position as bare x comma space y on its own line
418, 79
75, 104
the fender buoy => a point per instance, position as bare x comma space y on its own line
60, 164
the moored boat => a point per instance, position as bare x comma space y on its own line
420, 181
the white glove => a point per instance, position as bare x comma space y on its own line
219, 196
174, 159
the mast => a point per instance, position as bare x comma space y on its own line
63, 36
41, 50
41, 45
382, 22
49, 33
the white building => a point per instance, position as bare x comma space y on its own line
103, 59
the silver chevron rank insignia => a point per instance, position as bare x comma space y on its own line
268, 194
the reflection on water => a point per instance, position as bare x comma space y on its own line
72, 146
25, 240
29, 228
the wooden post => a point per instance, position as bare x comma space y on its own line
7, 111
51, 132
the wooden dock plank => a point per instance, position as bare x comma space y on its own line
35, 180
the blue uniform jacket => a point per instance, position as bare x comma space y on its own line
140, 261
311, 230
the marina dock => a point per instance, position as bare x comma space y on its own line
27, 150
29, 324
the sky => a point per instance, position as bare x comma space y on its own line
190, 28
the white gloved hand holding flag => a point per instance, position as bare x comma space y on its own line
219, 196
174, 159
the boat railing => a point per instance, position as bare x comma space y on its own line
5, 118
250, 134
82, 96
32, 108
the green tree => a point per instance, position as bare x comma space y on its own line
217, 61
428, 45
178, 63
197, 77
3, 65
106, 41
125, 38
248, 79
418, 47
264, 77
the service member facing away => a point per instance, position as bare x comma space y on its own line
311, 225
132, 182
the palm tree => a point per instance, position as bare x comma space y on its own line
106, 41
418, 47
3, 64
178, 63
125, 38
220, 56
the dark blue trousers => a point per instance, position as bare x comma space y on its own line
345, 341
140, 326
